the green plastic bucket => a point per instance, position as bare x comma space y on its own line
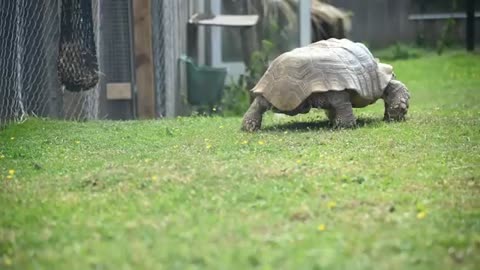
204, 84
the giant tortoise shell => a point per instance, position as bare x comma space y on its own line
327, 65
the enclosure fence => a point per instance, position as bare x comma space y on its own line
48, 59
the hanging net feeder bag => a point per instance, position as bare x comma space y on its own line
77, 60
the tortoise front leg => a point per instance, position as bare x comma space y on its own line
396, 99
252, 120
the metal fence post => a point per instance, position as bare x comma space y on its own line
470, 31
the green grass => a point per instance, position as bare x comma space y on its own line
196, 193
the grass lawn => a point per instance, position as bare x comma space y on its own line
196, 193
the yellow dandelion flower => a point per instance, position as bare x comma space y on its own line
261, 142
11, 172
9, 176
7, 260
331, 204
421, 215
154, 178
209, 146
245, 142
299, 161
321, 227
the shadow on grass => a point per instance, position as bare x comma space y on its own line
317, 125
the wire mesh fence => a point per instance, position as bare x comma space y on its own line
46, 69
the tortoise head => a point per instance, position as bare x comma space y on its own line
397, 101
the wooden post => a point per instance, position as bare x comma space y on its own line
144, 72
470, 34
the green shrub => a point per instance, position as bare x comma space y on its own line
399, 51
236, 95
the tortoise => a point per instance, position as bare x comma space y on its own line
335, 75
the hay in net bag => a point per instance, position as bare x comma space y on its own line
77, 60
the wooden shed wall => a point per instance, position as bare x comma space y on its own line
381, 23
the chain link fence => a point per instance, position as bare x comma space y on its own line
48, 59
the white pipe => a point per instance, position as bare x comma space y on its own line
216, 37
304, 17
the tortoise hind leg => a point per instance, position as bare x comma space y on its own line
342, 115
252, 120
396, 97
338, 108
